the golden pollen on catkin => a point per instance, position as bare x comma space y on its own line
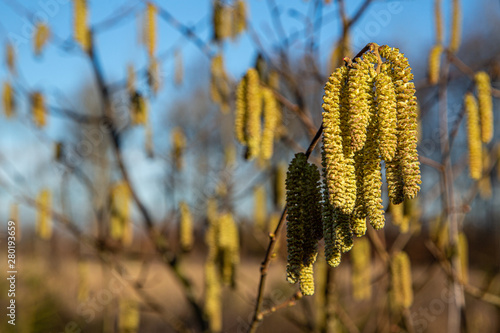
434, 63
387, 114
474, 136
361, 269
150, 28
129, 315
239, 20
38, 109
271, 116
221, 20
44, 215
401, 281
405, 165
485, 105
42, 34
81, 30
186, 227
456, 26
219, 83
8, 100
304, 224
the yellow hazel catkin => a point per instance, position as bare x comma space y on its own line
485, 102
456, 26
434, 63
81, 30
44, 215
401, 281
361, 270
474, 136
42, 34
186, 227
8, 100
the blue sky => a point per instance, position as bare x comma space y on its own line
407, 24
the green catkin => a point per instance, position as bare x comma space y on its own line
8, 100
129, 316
474, 136
304, 226
434, 63
332, 252
485, 102
406, 158
361, 270
402, 291
271, 116
387, 114
186, 227
333, 156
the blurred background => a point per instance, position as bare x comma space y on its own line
137, 210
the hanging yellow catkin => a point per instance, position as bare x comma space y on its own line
221, 20
83, 281
42, 35
474, 136
38, 109
271, 116
279, 189
219, 83
229, 246
186, 227
463, 255
81, 30
438, 17
456, 26
387, 114
229, 155
239, 20
248, 112
213, 302
44, 215
120, 211
397, 214
485, 102
10, 58
434, 63
129, 316
179, 71
361, 269
150, 28
260, 207
484, 185
402, 291
138, 109
178, 146
9, 103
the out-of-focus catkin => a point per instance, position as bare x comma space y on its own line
435, 63
14, 216
219, 83
178, 146
8, 100
120, 224
213, 302
138, 109
402, 291
229, 247
83, 281
438, 17
260, 207
44, 214
42, 35
463, 255
279, 185
474, 136
81, 30
154, 77
150, 28
456, 26
128, 316
222, 20
485, 105
186, 227
10, 58
271, 116
239, 20
38, 109
179, 70
130, 80
361, 270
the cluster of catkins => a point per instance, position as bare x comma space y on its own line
369, 116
